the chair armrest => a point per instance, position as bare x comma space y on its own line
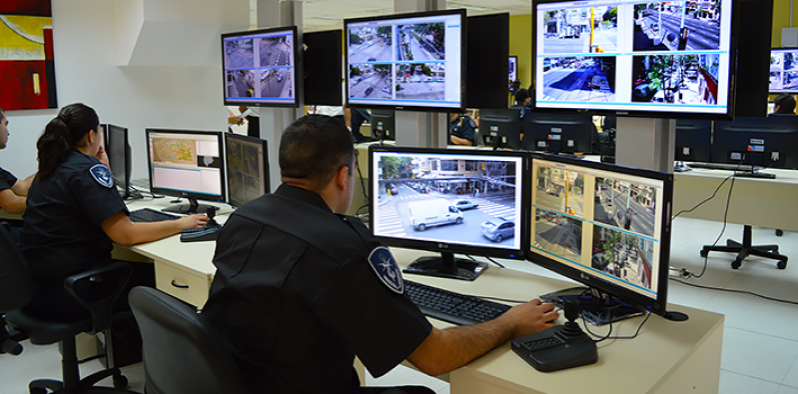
101, 308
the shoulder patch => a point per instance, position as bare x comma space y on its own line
102, 175
472, 123
384, 265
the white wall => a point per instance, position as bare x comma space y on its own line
135, 97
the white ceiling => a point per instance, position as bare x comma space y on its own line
329, 14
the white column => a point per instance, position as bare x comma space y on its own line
646, 143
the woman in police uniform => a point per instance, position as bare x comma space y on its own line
74, 214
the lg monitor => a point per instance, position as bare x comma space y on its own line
410, 61
449, 201
557, 133
488, 41
664, 59
247, 168
760, 142
383, 124
606, 227
186, 164
323, 67
500, 128
119, 158
693, 140
260, 67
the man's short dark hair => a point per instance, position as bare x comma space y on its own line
521, 95
786, 104
314, 148
2, 114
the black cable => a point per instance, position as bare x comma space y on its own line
490, 259
608, 336
703, 202
735, 291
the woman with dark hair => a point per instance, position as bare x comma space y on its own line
74, 213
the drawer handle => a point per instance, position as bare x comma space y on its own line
179, 286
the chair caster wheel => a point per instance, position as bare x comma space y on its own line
779, 233
736, 264
781, 264
704, 253
120, 381
38, 390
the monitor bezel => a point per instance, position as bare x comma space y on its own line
436, 246
186, 194
266, 169
657, 305
729, 115
405, 107
781, 91
123, 184
296, 69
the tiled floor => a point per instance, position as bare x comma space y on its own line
760, 344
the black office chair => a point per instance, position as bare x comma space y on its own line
16, 291
181, 355
746, 248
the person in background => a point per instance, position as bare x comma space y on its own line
13, 192
462, 129
301, 288
522, 99
784, 104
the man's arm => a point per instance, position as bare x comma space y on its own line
21, 187
449, 349
461, 141
11, 202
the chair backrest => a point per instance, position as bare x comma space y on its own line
16, 288
181, 355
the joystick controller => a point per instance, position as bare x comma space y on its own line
206, 233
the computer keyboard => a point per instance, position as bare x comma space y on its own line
722, 166
452, 307
148, 215
207, 233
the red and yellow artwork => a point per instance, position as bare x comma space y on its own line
27, 71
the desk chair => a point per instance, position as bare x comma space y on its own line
181, 354
16, 291
746, 249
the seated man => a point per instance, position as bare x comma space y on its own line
13, 192
301, 289
784, 104
462, 129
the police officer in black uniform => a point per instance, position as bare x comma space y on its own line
75, 212
462, 129
301, 289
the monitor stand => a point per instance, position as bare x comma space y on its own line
679, 166
188, 209
446, 266
598, 308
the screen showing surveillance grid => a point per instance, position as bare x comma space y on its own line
602, 223
247, 176
463, 199
623, 55
405, 61
259, 68
784, 71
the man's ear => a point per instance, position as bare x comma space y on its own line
341, 178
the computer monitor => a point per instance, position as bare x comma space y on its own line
247, 168
557, 133
770, 142
500, 128
513, 76
323, 67
488, 43
186, 164
635, 58
260, 67
383, 124
693, 140
407, 61
784, 70
119, 158
606, 227
449, 201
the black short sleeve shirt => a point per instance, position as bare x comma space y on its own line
464, 127
7, 179
62, 233
295, 298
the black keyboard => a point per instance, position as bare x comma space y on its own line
722, 166
452, 307
207, 233
147, 215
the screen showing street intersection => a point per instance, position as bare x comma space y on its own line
259, 68
413, 60
784, 70
631, 55
599, 222
448, 198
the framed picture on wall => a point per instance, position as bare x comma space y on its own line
27, 71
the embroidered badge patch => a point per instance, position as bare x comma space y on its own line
384, 265
101, 174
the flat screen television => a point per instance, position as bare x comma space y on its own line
489, 48
635, 58
513, 76
784, 70
753, 59
247, 168
693, 140
119, 158
557, 133
605, 226
449, 201
259, 67
770, 142
323, 68
187, 164
500, 128
383, 124
413, 61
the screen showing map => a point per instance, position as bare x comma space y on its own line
247, 168
188, 162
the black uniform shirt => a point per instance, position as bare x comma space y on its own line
7, 179
463, 127
295, 298
62, 234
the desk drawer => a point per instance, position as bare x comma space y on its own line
185, 285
